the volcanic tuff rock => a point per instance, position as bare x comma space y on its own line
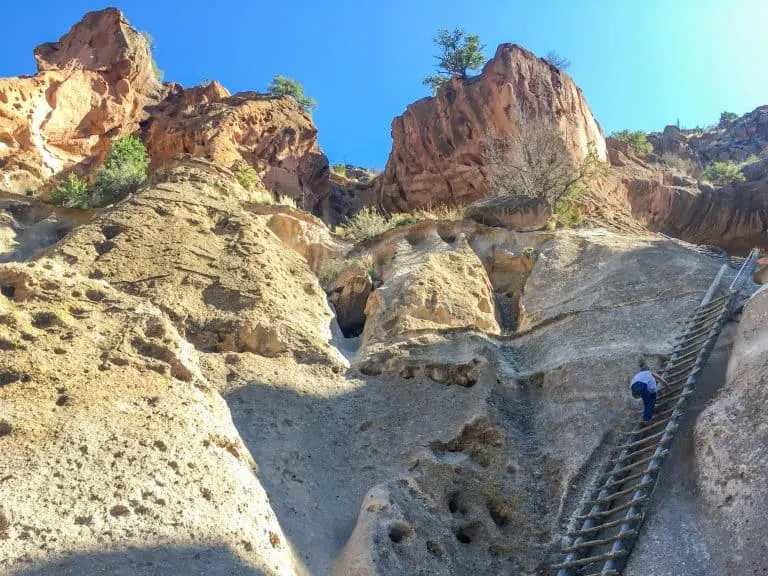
191, 246
112, 439
91, 86
437, 148
730, 438
275, 134
457, 444
666, 199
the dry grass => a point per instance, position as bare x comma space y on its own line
262, 196
287, 201
366, 224
450, 212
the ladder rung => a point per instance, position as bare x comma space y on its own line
689, 354
690, 344
592, 543
641, 451
605, 526
636, 464
651, 426
591, 560
667, 399
613, 511
617, 494
638, 442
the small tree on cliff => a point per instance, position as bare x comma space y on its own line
727, 117
534, 161
282, 86
459, 52
557, 60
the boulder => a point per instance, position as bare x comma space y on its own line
521, 213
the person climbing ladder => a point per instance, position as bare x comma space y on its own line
645, 384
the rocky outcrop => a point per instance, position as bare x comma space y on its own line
91, 86
113, 439
274, 134
667, 200
430, 285
735, 141
730, 438
190, 245
539, 406
437, 148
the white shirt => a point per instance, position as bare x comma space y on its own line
646, 377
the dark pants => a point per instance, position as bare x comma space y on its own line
640, 390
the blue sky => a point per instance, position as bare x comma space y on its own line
642, 64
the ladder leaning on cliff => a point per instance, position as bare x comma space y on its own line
611, 518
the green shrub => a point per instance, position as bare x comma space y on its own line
723, 173
569, 205
402, 219
366, 224
750, 160
247, 176
282, 86
727, 117
339, 169
635, 138
72, 192
335, 267
124, 170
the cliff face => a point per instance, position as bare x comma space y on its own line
274, 134
666, 193
437, 145
730, 454
91, 86
98, 83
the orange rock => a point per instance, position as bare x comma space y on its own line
91, 86
275, 133
437, 149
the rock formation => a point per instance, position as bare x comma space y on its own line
437, 145
98, 83
730, 448
91, 86
668, 200
275, 134
176, 395
113, 439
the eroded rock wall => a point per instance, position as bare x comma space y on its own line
437, 144
91, 86
730, 451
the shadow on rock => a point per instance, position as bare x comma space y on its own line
212, 561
